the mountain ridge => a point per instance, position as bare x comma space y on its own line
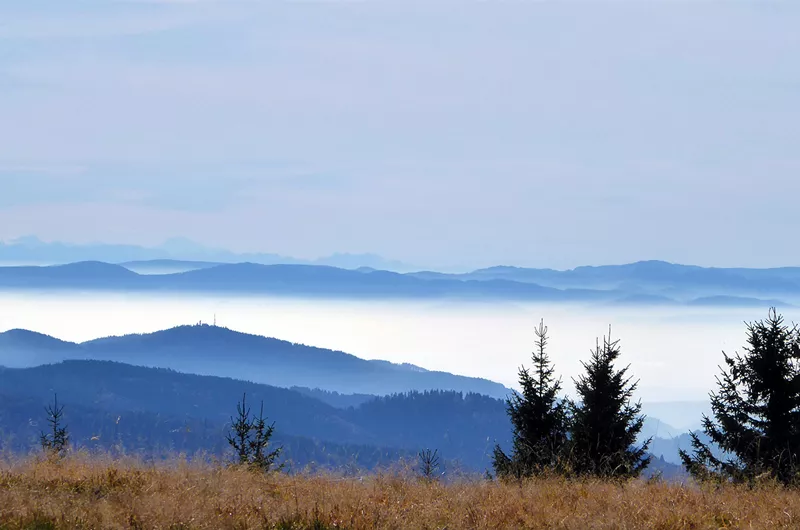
31, 249
214, 350
658, 284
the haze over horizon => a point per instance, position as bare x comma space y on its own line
489, 340
533, 134
179, 249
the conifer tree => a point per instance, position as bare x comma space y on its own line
239, 437
429, 464
605, 423
539, 418
756, 410
55, 443
250, 439
263, 458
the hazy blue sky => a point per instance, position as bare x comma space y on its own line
533, 133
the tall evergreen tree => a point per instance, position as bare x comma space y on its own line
263, 458
56, 442
239, 437
757, 409
539, 418
250, 439
605, 423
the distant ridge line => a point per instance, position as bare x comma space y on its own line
203, 349
651, 282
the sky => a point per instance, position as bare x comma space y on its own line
547, 134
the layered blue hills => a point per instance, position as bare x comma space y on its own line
651, 283
212, 350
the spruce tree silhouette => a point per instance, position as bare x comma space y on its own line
429, 464
250, 439
756, 410
604, 423
539, 418
263, 459
55, 443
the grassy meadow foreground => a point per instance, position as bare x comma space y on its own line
97, 492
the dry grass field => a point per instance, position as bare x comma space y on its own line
94, 492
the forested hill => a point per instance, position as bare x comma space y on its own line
145, 409
460, 426
214, 350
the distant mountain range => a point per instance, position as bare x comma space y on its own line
213, 350
646, 283
650, 281
31, 250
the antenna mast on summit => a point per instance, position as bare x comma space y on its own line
215, 320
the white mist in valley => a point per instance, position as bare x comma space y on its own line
674, 352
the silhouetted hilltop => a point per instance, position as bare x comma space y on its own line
22, 348
74, 275
213, 350
32, 340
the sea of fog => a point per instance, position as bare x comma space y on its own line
674, 352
